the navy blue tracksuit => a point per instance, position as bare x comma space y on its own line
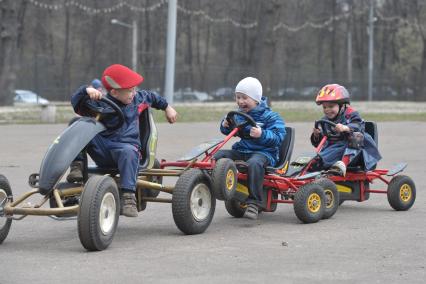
120, 148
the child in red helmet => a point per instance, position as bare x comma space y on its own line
119, 148
338, 152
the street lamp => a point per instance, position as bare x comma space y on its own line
134, 28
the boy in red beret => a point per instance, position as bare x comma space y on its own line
119, 148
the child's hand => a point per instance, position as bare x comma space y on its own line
342, 128
171, 114
316, 132
225, 123
255, 132
93, 93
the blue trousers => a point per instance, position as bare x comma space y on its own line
255, 172
124, 156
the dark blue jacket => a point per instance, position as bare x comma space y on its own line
338, 142
129, 132
273, 133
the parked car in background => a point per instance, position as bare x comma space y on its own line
223, 94
189, 95
28, 97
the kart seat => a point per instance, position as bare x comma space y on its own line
286, 150
355, 164
371, 128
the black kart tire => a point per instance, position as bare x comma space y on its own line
332, 200
99, 212
235, 208
156, 179
224, 178
193, 202
309, 203
401, 193
5, 192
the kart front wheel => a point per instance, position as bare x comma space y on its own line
193, 202
5, 193
331, 193
401, 193
224, 178
309, 203
235, 208
99, 212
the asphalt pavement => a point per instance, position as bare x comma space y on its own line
364, 242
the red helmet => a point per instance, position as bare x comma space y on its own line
118, 76
333, 93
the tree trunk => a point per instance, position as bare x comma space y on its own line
12, 13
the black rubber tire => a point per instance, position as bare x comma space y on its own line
401, 185
72, 200
235, 208
224, 178
5, 224
156, 179
332, 200
190, 183
89, 226
303, 203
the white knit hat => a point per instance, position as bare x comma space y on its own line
251, 87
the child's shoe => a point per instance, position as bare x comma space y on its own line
252, 212
76, 172
339, 167
128, 205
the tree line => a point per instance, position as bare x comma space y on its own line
292, 46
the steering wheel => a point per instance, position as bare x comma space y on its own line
112, 109
322, 122
247, 120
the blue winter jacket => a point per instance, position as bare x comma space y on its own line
129, 131
273, 133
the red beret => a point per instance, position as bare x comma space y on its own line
118, 76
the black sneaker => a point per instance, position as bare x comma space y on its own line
76, 172
252, 212
129, 205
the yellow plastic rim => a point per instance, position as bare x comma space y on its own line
405, 192
314, 202
230, 180
329, 198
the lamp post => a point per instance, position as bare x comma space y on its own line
134, 28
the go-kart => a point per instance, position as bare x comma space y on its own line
355, 185
314, 195
313, 200
95, 202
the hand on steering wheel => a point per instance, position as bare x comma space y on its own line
322, 122
112, 109
247, 120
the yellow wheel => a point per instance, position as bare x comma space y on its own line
224, 179
309, 203
401, 193
331, 197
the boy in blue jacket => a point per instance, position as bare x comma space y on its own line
119, 148
263, 148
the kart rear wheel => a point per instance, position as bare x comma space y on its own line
156, 179
5, 192
99, 212
309, 203
224, 178
332, 200
235, 208
401, 193
193, 202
